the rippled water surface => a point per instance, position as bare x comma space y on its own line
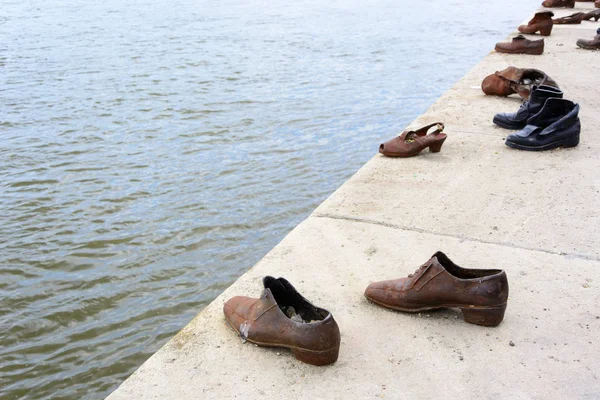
152, 151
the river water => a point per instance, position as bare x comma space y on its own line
152, 151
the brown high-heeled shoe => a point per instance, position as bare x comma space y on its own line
595, 15
572, 19
411, 143
541, 21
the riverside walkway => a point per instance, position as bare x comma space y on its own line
534, 214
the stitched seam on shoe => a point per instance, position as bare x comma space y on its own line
262, 313
427, 281
413, 283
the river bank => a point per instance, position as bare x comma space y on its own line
486, 206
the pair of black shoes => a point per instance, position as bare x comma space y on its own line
546, 121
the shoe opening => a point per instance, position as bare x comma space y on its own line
291, 303
463, 273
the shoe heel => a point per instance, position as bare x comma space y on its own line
437, 146
571, 142
546, 31
317, 357
490, 316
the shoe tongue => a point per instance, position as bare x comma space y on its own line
520, 37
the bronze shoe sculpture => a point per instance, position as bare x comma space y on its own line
481, 294
594, 14
559, 3
521, 45
515, 80
411, 143
572, 19
281, 317
541, 22
593, 44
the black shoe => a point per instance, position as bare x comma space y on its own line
528, 109
557, 124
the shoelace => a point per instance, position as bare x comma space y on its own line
421, 268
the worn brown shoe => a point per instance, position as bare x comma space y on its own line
541, 22
411, 143
572, 19
481, 294
281, 317
597, 3
559, 3
521, 45
593, 44
515, 80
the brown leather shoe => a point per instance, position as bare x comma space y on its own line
515, 80
411, 143
559, 3
597, 3
541, 22
481, 294
572, 19
281, 317
593, 44
521, 45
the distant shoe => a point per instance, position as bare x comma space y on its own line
541, 22
536, 101
594, 14
411, 143
521, 45
481, 294
559, 3
281, 317
515, 80
593, 44
572, 19
555, 125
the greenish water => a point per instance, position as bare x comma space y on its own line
152, 151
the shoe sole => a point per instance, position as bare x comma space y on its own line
313, 357
532, 52
561, 143
506, 126
478, 315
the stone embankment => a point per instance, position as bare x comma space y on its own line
486, 206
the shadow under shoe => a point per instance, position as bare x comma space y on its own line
281, 317
537, 98
556, 124
481, 294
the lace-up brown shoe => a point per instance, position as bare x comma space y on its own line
481, 294
541, 22
281, 317
521, 45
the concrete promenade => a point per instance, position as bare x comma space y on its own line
536, 215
